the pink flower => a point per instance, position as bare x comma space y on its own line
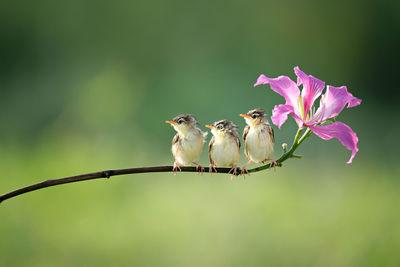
300, 106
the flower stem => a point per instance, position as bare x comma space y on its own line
306, 134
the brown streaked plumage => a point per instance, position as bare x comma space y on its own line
187, 144
210, 146
245, 132
224, 147
258, 137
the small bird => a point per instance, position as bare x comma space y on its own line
188, 142
258, 137
224, 148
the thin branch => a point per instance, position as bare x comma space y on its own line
108, 174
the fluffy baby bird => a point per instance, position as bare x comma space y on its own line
258, 137
224, 148
188, 142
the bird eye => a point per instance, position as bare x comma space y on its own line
219, 127
254, 116
180, 121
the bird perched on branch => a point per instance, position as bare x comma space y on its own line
188, 142
224, 146
258, 137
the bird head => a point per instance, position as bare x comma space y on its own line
254, 117
183, 123
223, 127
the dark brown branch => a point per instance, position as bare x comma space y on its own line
108, 174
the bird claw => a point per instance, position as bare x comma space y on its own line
202, 170
244, 171
210, 169
273, 163
176, 168
197, 168
234, 171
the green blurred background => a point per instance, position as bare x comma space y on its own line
87, 85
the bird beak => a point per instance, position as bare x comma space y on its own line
171, 122
245, 116
210, 126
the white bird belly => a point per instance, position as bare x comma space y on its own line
225, 153
259, 145
187, 150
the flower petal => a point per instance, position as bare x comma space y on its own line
340, 131
354, 101
280, 113
284, 86
262, 80
312, 89
334, 101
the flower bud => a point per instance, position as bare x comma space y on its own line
284, 147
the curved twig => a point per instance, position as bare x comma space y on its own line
108, 174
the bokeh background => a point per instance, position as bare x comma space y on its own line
87, 85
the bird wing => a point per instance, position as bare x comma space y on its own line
271, 133
210, 147
245, 133
175, 144
175, 140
